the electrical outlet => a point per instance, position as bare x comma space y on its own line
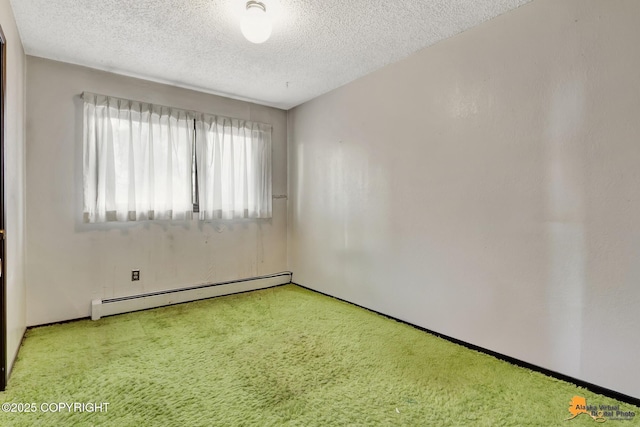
135, 275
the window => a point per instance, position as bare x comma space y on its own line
143, 161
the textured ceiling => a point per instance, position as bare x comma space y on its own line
316, 46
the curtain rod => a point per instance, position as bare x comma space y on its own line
82, 95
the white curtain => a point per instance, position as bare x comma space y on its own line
137, 160
234, 168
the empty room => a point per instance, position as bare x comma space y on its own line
319, 212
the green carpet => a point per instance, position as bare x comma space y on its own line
279, 357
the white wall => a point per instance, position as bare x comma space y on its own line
487, 188
69, 262
14, 182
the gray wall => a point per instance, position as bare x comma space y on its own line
487, 188
14, 183
69, 263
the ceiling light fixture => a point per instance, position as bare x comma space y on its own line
256, 24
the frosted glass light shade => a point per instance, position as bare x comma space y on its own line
256, 25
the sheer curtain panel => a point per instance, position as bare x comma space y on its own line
137, 160
233, 158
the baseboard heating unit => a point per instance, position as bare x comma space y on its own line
108, 307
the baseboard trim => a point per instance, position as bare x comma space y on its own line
589, 386
77, 319
111, 306
60, 322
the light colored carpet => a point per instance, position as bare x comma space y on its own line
279, 357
